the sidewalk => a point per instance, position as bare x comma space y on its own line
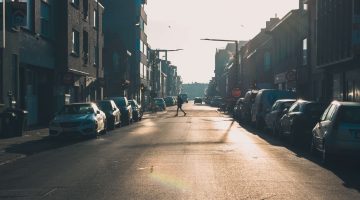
15, 148
36, 140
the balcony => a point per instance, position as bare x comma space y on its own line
143, 15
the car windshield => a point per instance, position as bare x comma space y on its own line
77, 109
350, 114
104, 105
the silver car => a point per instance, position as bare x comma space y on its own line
338, 131
78, 119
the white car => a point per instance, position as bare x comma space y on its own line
78, 119
338, 131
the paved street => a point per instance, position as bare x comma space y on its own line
204, 155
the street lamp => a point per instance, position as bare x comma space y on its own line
237, 64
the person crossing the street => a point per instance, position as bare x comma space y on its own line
180, 102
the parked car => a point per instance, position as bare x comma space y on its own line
236, 112
160, 103
112, 112
198, 100
337, 133
184, 97
217, 101
245, 108
272, 119
263, 103
298, 122
125, 109
137, 112
78, 119
169, 101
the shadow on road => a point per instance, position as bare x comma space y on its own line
347, 169
41, 145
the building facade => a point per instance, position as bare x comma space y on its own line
335, 43
124, 28
59, 60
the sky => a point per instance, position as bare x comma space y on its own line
180, 24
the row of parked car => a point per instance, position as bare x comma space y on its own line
331, 130
92, 119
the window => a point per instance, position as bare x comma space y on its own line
330, 114
141, 46
75, 3
85, 9
85, 46
75, 42
45, 19
96, 55
305, 50
294, 108
96, 22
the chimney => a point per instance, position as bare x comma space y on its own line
301, 4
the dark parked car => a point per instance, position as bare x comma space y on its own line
337, 133
264, 100
198, 100
169, 101
125, 109
112, 112
272, 119
217, 101
137, 112
160, 104
245, 108
236, 112
298, 122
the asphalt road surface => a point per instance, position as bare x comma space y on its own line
205, 155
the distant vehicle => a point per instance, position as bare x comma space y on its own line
272, 119
137, 112
237, 112
198, 100
125, 109
245, 108
78, 119
263, 103
169, 101
160, 103
338, 131
298, 122
112, 112
184, 97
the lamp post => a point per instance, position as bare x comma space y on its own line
237, 64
